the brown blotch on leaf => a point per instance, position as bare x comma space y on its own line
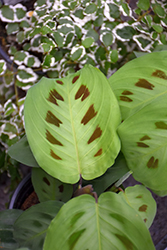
127, 92
75, 79
99, 152
161, 125
145, 137
125, 99
83, 91
61, 188
145, 220
89, 115
59, 82
51, 118
54, 96
128, 245
152, 163
143, 208
160, 74
142, 83
52, 139
96, 134
142, 145
46, 181
54, 155
139, 196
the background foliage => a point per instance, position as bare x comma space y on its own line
59, 37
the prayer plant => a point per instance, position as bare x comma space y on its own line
87, 134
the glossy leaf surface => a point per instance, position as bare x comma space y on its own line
71, 125
7, 219
109, 224
31, 227
49, 188
142, 201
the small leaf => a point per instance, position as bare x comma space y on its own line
3, 67
114, 10
7, 13
106, 38
157, 27
91, 8
114, 56
143, 4
26, 75
31, 227
87, 42
77, 52
12, 28
59, 39
159, 10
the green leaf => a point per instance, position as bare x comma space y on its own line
3, 67
142, 201
31, 227
157, 27
59, 39
159, 10
12, 28
126, 32
26, 75
90, 8
143, 4
108, 224
7, 219
87, 42
21, 152
114, 56
49, 188
20, 12
7, 13
106, 38
114, 10
19, 57
68, 131
140, 87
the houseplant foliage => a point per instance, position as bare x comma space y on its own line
58, 37
90, 219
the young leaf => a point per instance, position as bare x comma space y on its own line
49, 188
142, 201
71, 125
108, 224
31, 227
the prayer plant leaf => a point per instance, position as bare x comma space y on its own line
140, 198
139, 82
71, 125
31, 227
49, 188
107, 224
144, 144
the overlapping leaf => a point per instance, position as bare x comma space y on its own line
31, 227
71, 125
141, 89
108, 224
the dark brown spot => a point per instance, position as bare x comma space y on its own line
51, 118
54, 155
125, 99
142, 145
89, 115
161, 125
145, 220
46, 181
75, 79
83, 91
142, 83
61, 188
127, 92
99, 152
152, 163
54, 96
59, 82
160, 74
139, 196
52, 139
143, 208
96, 134
145, 137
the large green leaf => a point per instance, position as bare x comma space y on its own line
140, 81
31, 227
71, 125
140, 198
109, 224
49, 188
144, 144
7, 219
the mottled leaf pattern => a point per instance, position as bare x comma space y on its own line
71, 125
